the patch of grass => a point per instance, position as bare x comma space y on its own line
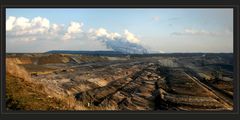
26, 95
36, 68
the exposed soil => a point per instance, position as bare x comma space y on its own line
78, 82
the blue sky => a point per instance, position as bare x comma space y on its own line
165, 30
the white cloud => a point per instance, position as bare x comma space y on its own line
106, 35
10, 23
131, 37
37, 28
25, 26
40, 22
40, 30
72, 30
22, 23
55, 28
74, 27
101, 32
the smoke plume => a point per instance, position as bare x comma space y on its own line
126, 43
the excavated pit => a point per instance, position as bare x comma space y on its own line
119, 83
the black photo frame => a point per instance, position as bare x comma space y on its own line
228, 115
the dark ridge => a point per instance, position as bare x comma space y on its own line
86, 52
144, 54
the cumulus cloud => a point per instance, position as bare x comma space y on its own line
131, 37
127, 36
24, 29
21, 26
40, 22
101, 32
72, 30
10, 23
40, 29
22, 23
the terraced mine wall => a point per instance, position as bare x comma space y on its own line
13, 67
78, 82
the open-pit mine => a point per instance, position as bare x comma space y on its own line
152, 82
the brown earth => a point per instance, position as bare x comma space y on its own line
78, 82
